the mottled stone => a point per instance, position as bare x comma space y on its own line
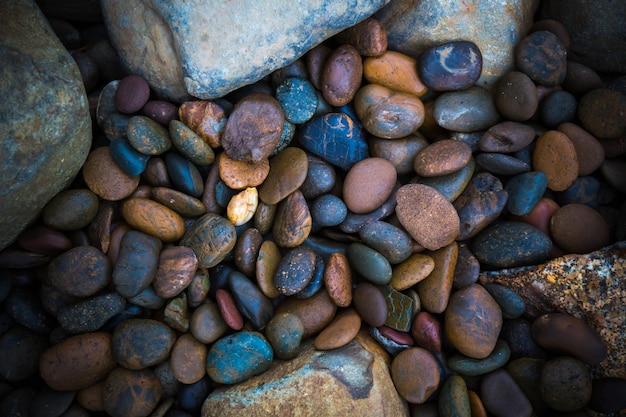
435, 289
211, 237
284, 332
131, 392
369, 263
238, 357
450, 66
588, 287
399, 309
466, 110
91, 314
355, 377
454, 398
542, 56
141, 343
251, 302
205, 59
341, 331
565, 384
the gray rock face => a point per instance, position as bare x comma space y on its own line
208, 48
495, 26
44, 116
596, 29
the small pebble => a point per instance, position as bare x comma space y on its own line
542, 56
565, 384
116, 184
368, 184
427, 332
501, 395
454, 398
141, 343
337, 278
148, 136
601, 113
506, 137
411, 271
287, 171
450, 66
315, 312
341, 76
498, 357
295, 270
131, 392
589, 150
516, 97
415, 374
341, 331
132, 94
370, 303
238, 357
298, 99
578, 228
466, 110
435, 289
394, 70
369, 263
525, 190
441, 158
284, 332
188, 359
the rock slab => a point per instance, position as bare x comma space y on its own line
352, 380
44, 117
206, 49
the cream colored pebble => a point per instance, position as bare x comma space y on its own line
242, 206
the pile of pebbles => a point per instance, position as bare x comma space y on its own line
356, 190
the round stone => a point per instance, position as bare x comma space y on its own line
341, 331
90, 314
558, 107
341, 76
473, 321
131, 392
435, 289
417, 208
239, 175
106, 178
136, 264
328, 210
70, 210
183, 204
206, 118
267, 262
284, 332
542, 56
190, 144
160, 111
320, 177
211, 237
298, 99
238, 357
206, 323
292, 221
295, 270
441, 158
400, 152
177, 267
540, 215
578, 228
141, 343
511, 303
132, 94
515, 96
601, 112
368, 184
315, 312
565, 384
251, 303
450, 66
415, 374
185, 176
394, 70
370, 303
228, 309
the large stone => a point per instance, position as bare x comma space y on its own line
590, 287
208, 48
44, 117
353, 380
494, 26
596, 29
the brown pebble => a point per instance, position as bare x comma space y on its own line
344, 327
239, 175
368, 184
408, 273
131, 393
342, 75
580, 79
90, 398
266, 264
181, 203
207, 324
435, 289
427, 215
315, 312
132, 94
155, 173
555, 155
400, 152
589, 150
369, 37
578, 228
602, 113
287, 172
105, 178
441, 158
293, 222
338, 279
396, 71
555, 27
153, 218
415, 373
502, 397
177, 267
370, 303
206, 118
516, 96
188, 359
315, 61
476, 405
565, 384
116, 238
44, 240
401, 338
247, 251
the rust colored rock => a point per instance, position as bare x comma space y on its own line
228, 309
396, 71
253, 128
410, 272
342, 75
341, 331
555, 155
287, 172
293, 222
578, 228
426, 331
435, 289
188, 359
338, 279
105, 178
368, 184
441, 158
132, 94
589, 150
368, 37
177, 267
153, 218
241, 174
206, 118
415, 373
315, 61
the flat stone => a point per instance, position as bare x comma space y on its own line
204, 57
466, 110
450, 66
368, 184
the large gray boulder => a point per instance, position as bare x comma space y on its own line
44, 117
496, 26
207, 48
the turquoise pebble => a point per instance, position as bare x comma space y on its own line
328, 210
466, 110
467, 366
128, 158
511, 244
188, 143
451, 185
369, 263
148, 298
511, 303
238, 357
298, 98
148, 136
223, 193
399, 309
184, 175
525, 190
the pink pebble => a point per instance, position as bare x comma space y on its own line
228, 308
401, 338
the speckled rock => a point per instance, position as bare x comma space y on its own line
205, 59
45, 123
355, 376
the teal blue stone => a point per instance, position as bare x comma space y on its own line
399, 309
298, 98
466, 110
148, 298
148, 136
467, 366
289, 130
128, 158
251, 302
584, 190
223, 193
453, 398
328, 210
451, 185
511, 244
136, 264
336, 138
391, 241
317, 281
511, 303
238, 357
184, 175
369, 263
525, 190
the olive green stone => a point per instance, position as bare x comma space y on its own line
465, 365
288, 170
399, 309
71, 210
369, 263
190, 144
148, 136
211, 237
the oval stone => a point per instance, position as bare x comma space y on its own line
451, 185
81, 271
267, 262
473, 367
415, 374
190, 144
390, 241
502, 164
188, 359
181, 203
176, 268
370, 303
369, 263
239, 175
284, 333
328, 210
525, 190
435, 289
341, 331
315, 312
153, 218
578, 228
466, 110
288, 170
450, 66
184, 175
106, 178
454, 398
473, 321
132, 94
205, 117
589, 151
511, 244
90, 314
128, 158
368, 184
295, 270
426, 332
542, 56
341, 76
506, 137
141, 343
70, 210
211, 237
516, 96
501, 394
394, 70
148, 136
238, 357
206, 323
298, 98
292, 221
251, 302
441, 158
337, 278
601, 112
128, 392
136, 263
320, 178
556, 156
400, 152
511, 303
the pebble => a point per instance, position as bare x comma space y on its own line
369, 37
441, 158
515, 96
506, 137
131, 392
473, 338
238, 357
512, 304
580, 79
368, 184
435, 289
565, 384
295, 270
566, 334
298, 98
153, 218
337, 278
517, 334
206, 118
184, 175
502, 164
211, 237
454, 398
81, 271
263, 218
601, 113
267, 262
415, 373
450, 66
341, 331
148, 136
247, 251
395, 71
316, 58
315, 312
390, 241
612, 171
141, 343
177, 267
578, 228
510, 244
136, 264
44, 240
540, 215
467, 268
190, 144
386, 113
417, 205
427, 332
183, 204
239, 175
525, 190
589, 150
128, 158
252, 304
558, 107
370, 303
284, 333
116, 184
188, 359
254, 128
155, 173
320, 178
292, 222
132, 94
400, 152
466, 110
328, 210
606, 395
50, 403
341, 75
287, 171
160, 111
466, 366
542, 56
369, 263
206, 323
502, 396
584, 190
526, 372
399, 309
242, 206
21, 349
90, 314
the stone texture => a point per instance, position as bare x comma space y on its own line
589, 287
353, 380
181, 48
413, 27
44, 117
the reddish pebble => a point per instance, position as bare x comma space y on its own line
401, 338
338, 279
370, 303
426, 331
132, 94
160, 111
540, 215
415, 373
228, 308
339, 332
44, 240
368, 184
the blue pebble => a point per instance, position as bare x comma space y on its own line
128, 158
184, 175
336, 138
316, 282
223, 194
584, 190
328, 210
238, 357
298, 98
525, 190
